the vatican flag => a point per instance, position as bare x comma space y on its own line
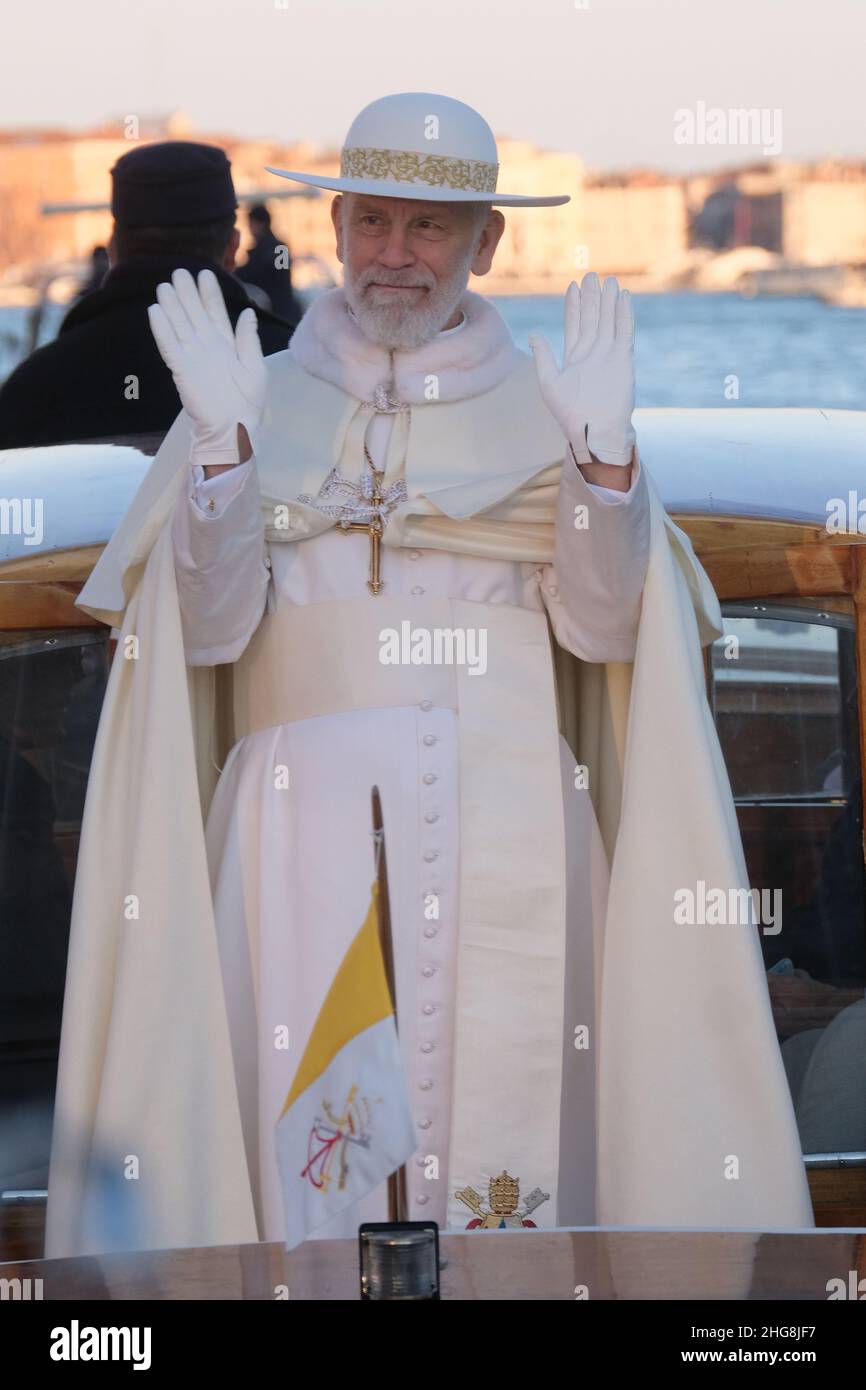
346, 1124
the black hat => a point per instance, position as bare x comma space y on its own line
172, 184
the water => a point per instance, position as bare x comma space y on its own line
784, 352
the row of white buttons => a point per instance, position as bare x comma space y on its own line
418, 589
428, 971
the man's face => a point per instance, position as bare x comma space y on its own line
406, 262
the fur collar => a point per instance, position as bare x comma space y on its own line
328, 343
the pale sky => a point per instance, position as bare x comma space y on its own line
602, 78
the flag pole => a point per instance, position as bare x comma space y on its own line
397, 1203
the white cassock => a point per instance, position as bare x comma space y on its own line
291, 867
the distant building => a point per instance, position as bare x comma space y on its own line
540, 245
810, 214
631, 228
825, 223
631, 224
48, 167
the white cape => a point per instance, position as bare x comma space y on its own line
694, 1112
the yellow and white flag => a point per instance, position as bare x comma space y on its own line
346, 1124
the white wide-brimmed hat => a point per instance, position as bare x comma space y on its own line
421, 145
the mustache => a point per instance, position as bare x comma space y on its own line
399, 279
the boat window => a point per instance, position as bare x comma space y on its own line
51, 690
783, 688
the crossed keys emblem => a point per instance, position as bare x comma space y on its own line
503, 1198
330, 1138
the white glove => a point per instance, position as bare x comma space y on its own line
220, 375
592, 397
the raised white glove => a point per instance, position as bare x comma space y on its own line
592, 396
219, 373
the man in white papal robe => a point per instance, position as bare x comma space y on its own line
291, 868
512, 506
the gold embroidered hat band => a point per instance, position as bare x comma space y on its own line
436, 170
421, 145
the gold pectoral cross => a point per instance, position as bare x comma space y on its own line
375, 526
369, 503
374, 531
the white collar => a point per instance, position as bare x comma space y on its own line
466, 360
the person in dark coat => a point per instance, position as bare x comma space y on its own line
268, 265
103, 378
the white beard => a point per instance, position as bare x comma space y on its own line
390, 322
